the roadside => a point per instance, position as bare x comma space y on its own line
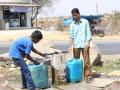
50, 37
45, 45
10, 35
108, 37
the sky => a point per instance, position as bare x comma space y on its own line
86, 7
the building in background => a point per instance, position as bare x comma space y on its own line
16, 14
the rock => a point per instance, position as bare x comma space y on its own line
11, 69
5, 84
12, 66
1, 75
4, 59
95, 55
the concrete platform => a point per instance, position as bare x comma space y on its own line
96, 84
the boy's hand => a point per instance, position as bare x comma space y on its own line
35, 62
16, 64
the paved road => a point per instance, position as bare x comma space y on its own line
107, 47
4, 47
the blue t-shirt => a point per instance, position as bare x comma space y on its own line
20, 48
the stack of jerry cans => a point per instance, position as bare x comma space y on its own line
74, 70
39, 75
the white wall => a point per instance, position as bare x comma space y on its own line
1, 14
1, 19
29, 14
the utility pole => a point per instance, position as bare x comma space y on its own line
97, 10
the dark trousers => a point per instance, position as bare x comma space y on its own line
26, 75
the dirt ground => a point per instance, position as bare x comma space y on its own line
10, 73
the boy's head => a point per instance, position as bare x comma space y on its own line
36, 36
75, 14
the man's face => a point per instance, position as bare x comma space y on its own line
76, 16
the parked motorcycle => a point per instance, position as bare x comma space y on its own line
98, 32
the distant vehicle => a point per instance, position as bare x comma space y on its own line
98, 31
67, 21
94, 21
96, 28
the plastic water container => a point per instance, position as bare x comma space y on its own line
74, 70
39, 75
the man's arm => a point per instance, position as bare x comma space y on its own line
88, 35
70, 43
37, 52
71, 36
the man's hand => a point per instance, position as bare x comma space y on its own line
87, 44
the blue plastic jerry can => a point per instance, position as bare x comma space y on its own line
39, 75
74, 70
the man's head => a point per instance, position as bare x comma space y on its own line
36, 36
75, 14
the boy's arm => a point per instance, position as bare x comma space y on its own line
31, 59
37, 52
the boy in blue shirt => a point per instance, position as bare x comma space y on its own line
20, 49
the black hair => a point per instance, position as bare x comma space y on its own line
75, 10
37, 34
